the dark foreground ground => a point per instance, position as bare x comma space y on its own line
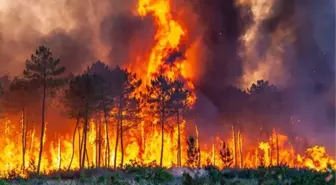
182, 176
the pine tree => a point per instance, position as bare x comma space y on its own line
43, 71
81, 100
106, 96
179, 105
159, 95
125, 85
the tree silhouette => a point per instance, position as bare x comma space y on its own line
159, 95
127, 104
179, 105
106, 96
43, 71
74, 108
82, 100
264, 100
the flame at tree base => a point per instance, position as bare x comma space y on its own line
144, 149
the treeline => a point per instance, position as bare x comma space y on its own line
100, 91
119, 95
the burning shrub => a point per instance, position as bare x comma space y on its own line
226, 156
192, 153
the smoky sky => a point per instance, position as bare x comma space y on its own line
312, 68
309, 93
77, 32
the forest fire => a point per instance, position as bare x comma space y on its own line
57, 156
143, 120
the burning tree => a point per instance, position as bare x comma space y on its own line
179, 104
81, 100
159, 99
226, 156
43, 71
266, 104
20, 98
192, 152
106, 102
125, 85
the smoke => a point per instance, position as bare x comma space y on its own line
79, 32
289, 43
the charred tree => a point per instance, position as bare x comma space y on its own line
43, 71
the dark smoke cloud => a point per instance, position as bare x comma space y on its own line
309, 93
72, 48
223, 26
126, 36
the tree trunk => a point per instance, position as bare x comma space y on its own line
73, 142
162, 142
121, 142
87, 157
198, 147
241, 150
234, 146
107, 139
271, 150
42, 129
23, 139
80, 144
116, 145
99, 142
83, 144
277, 147
84, 140
178, 140
96, 143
